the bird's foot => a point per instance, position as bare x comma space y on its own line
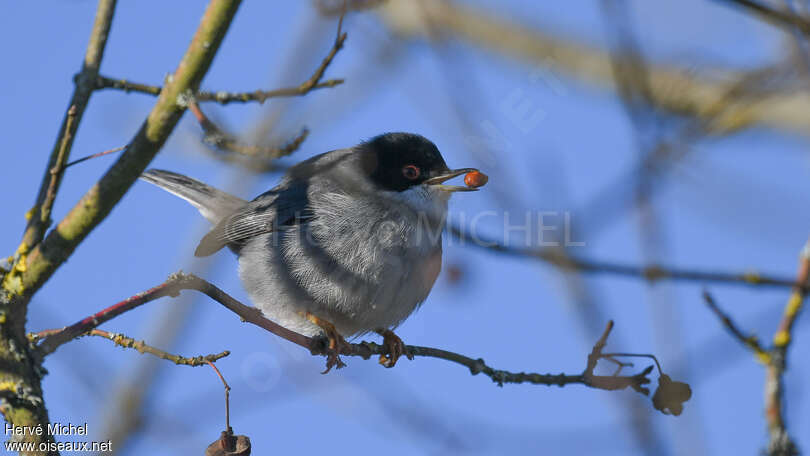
336, 342
395, 346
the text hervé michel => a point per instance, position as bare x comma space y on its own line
50, 429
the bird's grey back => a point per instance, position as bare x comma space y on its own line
284, 205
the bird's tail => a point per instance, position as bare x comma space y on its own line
213, 204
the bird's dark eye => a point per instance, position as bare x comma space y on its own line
411, 172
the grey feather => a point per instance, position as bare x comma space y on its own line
285, 205
213, 204
361, 263
326, 240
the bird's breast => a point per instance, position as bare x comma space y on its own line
382, 262
360, 266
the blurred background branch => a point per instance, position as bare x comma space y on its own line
681, 90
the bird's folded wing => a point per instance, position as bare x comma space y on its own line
268, 212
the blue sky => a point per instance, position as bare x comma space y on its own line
734, 204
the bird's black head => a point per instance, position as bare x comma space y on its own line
398, 161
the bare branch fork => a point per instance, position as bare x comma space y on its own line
21, 402
53, 339
41, 251
226, 142
775, 357
222, 97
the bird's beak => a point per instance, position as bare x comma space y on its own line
438, 180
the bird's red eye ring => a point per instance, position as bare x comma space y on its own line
411, 172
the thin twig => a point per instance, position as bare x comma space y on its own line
223, 97
227, 396
751, 341
220, 96
226, 142
142, 347
340, 38
56, 173
104, 82
634, 355
319, 346
84, 87
99, 200
96, 155
780, 443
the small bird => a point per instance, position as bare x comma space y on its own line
350, 241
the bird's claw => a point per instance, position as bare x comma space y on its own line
395, 346
335, 342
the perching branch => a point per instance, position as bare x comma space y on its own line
318, 346
171, 287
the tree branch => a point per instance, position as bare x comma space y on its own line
651, 272
223, 97
220, 96
319, 346
752, 342
38, 216
673, 88
21, 402
775, 358
44, 220
780, 443
141, 346
105, 194
226, 142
